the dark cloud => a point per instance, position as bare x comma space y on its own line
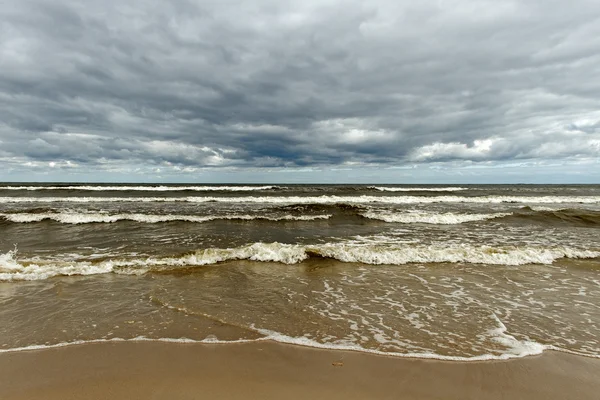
270, 84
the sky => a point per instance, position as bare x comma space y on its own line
390, 91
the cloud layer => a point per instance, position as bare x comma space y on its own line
109, 86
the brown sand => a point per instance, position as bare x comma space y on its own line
266, 370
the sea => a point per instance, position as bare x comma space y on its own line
450, 272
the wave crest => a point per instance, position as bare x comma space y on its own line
145, 188
373, 254
425, 217
315, 199
88, 218
417, 189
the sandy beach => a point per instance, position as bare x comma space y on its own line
268, 370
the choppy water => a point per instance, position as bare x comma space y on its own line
451, 272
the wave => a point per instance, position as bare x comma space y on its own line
145, 188
417, 189
88, 218
559, 216
323, 207
425, 217
408, 217
317, 199
374, 254
543, 215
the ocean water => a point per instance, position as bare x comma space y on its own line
458, 272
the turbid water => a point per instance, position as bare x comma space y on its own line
449, 272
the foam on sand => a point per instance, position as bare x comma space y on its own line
514, 347
209, 340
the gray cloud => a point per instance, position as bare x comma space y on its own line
269, 84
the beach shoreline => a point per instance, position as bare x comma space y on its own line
266, 369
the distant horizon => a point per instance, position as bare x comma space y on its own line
182, 183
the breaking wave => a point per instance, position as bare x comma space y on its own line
13, 269
407, 217
87, 218
315, 199
145, 188
417, 189
425, 217
313, 212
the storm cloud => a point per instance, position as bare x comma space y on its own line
268, 84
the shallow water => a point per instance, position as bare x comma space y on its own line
454, 272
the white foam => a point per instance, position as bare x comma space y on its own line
516, 348
7, 260
512, 352
11, 269
522, 349
144, 188
439, 253
89, 217
281, 338
417, 189
427, 217
545, 208
316, 199
183, 340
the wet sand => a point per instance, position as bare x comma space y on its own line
268, 370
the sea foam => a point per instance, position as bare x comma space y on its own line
325, 199
426, 217
514, 347
373, 254
519, 352
90, 217
144, 188
417, 189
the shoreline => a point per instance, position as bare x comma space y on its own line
295, 343
268, 369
